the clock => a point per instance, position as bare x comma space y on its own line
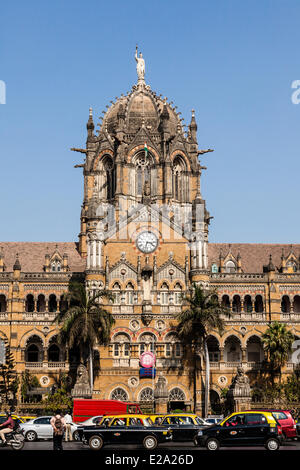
147, 242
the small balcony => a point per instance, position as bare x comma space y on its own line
47, 365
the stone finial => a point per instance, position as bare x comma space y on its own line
17, 265
271, 266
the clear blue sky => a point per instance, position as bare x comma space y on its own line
232, 61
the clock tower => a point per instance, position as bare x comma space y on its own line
144, 230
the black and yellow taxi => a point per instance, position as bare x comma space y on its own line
248, 428
184, 426
124, 429
17, 419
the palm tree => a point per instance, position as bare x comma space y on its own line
84, 322
277, 342
203, 313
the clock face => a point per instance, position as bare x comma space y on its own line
147, 242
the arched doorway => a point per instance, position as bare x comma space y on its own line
176, 400
215, 404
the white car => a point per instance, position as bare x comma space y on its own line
93, 421
40, 428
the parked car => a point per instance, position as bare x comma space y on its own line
27, 418
247, 428
95, 420
40, 428
124, 429
185, 426
286, 421
214, 419
298, 428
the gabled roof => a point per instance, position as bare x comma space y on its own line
32, 255
253, 255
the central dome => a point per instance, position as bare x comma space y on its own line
140, 106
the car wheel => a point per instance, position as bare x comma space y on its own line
96, 442
150, 442
272, 444
31, 436
76, 436
212, 444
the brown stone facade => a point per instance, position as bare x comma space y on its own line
144, 237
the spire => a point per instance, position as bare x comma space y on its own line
17, 265
90, 124
271, 265
193, 127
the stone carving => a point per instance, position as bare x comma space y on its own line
240, 384
222, 380
82, 387
140, 66
239, 393
133, 382
160, 390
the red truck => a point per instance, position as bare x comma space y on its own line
84, 409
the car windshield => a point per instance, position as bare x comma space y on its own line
148, 422
199, 420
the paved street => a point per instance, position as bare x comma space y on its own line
78, 446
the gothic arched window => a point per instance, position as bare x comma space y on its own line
178, 170
110, 177
230, 267
119, 394
143, 174
164, 294
3, 303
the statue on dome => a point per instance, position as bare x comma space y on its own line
140, 66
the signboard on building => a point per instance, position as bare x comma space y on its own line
147, 359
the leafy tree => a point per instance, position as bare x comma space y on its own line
201, 314
28, 381
9, 381
277, 342
84, 323
59, 399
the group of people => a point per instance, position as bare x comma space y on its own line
61, 427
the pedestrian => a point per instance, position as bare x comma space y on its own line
68, 422
58, 424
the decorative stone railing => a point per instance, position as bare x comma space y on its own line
46, 365
237, 276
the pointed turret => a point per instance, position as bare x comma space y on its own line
90, 124
193, 128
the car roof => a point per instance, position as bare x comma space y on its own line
127, 415
181, 414
265, 413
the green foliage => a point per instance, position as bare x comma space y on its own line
223, 393
85, 322
9, 381
277, 342
28, 381
61, 399
201, 313
281, 394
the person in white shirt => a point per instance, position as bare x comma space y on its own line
68, 432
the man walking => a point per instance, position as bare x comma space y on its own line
58, 424
68, 421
